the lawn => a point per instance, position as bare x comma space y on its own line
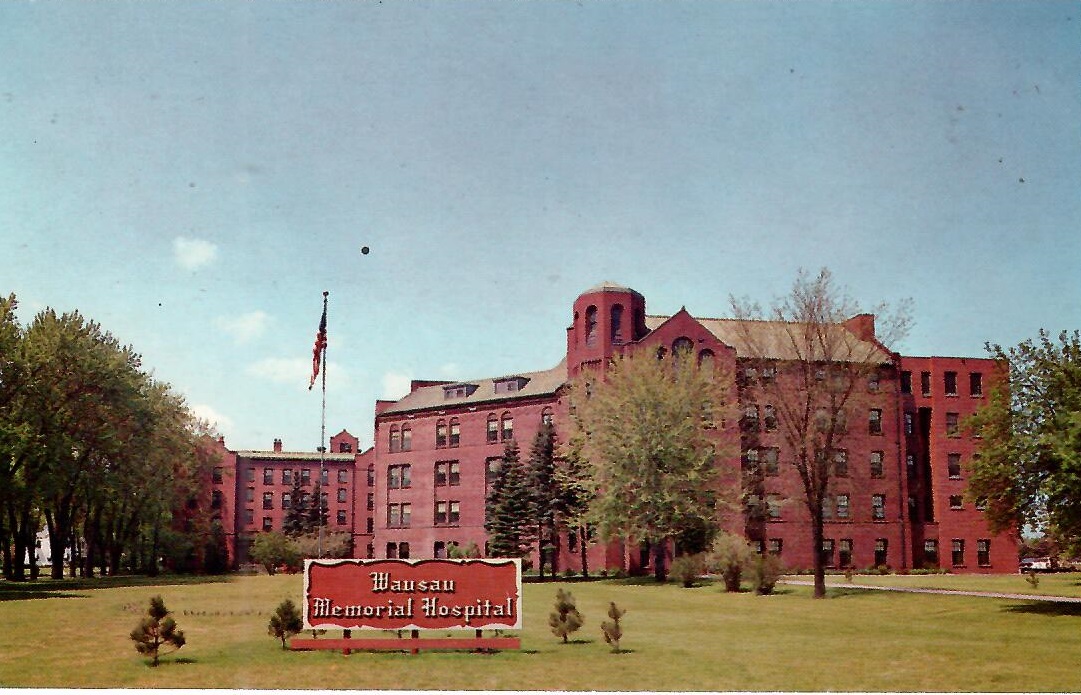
675, 639
1050, 584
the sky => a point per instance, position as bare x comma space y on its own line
194, 175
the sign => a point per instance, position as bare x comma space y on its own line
412, 594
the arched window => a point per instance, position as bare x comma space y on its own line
706, 360
591, 325
617, 324
546, 416
407, 438
508, 427
455, 431
493, 428
440, 434
662, 351
395, 439
682, 347
574, 323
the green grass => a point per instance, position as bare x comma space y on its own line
676, 639
1051, 584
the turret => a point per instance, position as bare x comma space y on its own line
606, 318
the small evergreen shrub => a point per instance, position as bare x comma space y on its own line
1032, 579
613, 631
565, 619
765, 571
156, 630
286, 621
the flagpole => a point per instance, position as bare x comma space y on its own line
322, 437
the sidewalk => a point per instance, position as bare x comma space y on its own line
949, 592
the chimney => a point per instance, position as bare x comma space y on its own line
862, 326
221, 439
277, 446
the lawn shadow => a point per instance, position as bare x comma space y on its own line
581, 641
1053, 608
35, 594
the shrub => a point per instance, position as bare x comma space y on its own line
765, 571
729, 557
335, 544
286, 621
156, 630
565, 619
1032, 579
687, 569
273, 550
457, 552
613, 631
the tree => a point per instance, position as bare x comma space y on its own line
811, 363
156, 630
647, 433
296, 517
542, 489
317, 511
613, 631
509, 527
565, 619
273, 550
286, 621
575, 492
1030, 456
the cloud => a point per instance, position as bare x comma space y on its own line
193, 254
296, 371
217, 420
245, 327
395, 385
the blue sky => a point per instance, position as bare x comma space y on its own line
194, 175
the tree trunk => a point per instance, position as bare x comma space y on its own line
660, 570
817, 564
582, 549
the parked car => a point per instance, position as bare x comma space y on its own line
1037, 564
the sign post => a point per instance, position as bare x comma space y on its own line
414, 595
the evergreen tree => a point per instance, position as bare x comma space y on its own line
544, 496
317, 511
157, 630
296, 517
565, 619
507, 508
613, 631
286, 621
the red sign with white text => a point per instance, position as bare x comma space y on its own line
412, 594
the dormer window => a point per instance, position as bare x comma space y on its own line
458, 391
510, 385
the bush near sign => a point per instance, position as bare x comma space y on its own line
466, 594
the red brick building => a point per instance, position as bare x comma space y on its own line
897, 496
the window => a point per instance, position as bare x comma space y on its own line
874, 421
682, 346
842, 507
342, 495
827, 508
370, 551
447, 473
750, 460
398, 515
395, 439
910, 464
454, 474
403, 551
840, 463
706, 360
975, 384
407, 438
845, 554
287, 476
591, 325
770, 418
249, 516
925, 383
399, 476
215, 499
217, 474
750, 418
268, 476
949, 379
957, 547
343, 476
493, 428
455, 432
873, 382
369, 525
876, 464
491, 470
983, 552
930, 552
341, 517
546, 416
305, 476
827, 552
774, 546
441, 512
768, 375
447, 512
324, 476
439, 550
909, 423
906, 382
956, 502
617, 324
507, 427
249, 495
878, 507
750, 376
345, 448
440, 434
268, 523
392, 551
773, 506
287, 500
881, 552
371, 476
770, 461
953, 465
370, 506
952, 425
251, 475
268, 500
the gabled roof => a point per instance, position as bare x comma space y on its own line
543, 383
772, 340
